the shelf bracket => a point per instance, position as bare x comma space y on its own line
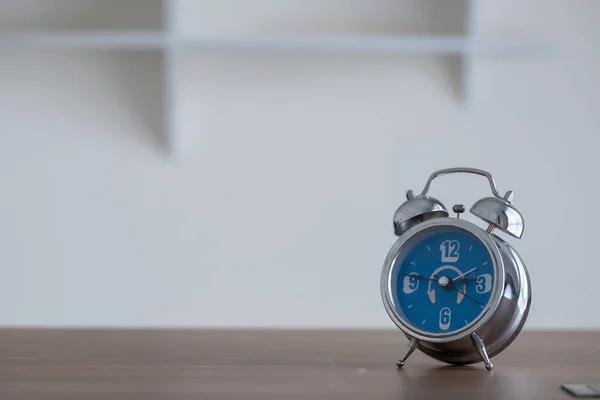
170, 82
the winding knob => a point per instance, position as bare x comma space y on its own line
458, 209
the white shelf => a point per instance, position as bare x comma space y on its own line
447, 45
85, 39
329, 44
171, 44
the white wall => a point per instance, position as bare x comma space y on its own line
279, 211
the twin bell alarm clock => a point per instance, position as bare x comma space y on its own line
459, 292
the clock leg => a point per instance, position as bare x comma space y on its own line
480, 346
412, 345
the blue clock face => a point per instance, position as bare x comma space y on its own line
444, 280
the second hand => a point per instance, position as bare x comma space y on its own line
463, 293
466, 295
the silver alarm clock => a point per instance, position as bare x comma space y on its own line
459, 292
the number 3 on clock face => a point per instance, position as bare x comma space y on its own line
449, 249
484, 283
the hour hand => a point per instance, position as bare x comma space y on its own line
417, 276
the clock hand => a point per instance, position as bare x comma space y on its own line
462, 279
466, 295
451, 285
461, 275
416, 276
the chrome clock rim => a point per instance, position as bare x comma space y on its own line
483, 317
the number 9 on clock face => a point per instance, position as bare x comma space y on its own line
442, 280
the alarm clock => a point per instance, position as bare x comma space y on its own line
459, 292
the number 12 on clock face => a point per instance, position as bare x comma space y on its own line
449, 249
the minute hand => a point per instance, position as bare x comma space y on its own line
461, 275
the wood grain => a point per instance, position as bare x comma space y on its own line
197, 364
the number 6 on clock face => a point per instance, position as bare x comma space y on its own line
445, 318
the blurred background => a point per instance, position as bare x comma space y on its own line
186, 168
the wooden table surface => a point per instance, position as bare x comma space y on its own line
349, 365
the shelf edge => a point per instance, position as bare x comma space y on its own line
141, 40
